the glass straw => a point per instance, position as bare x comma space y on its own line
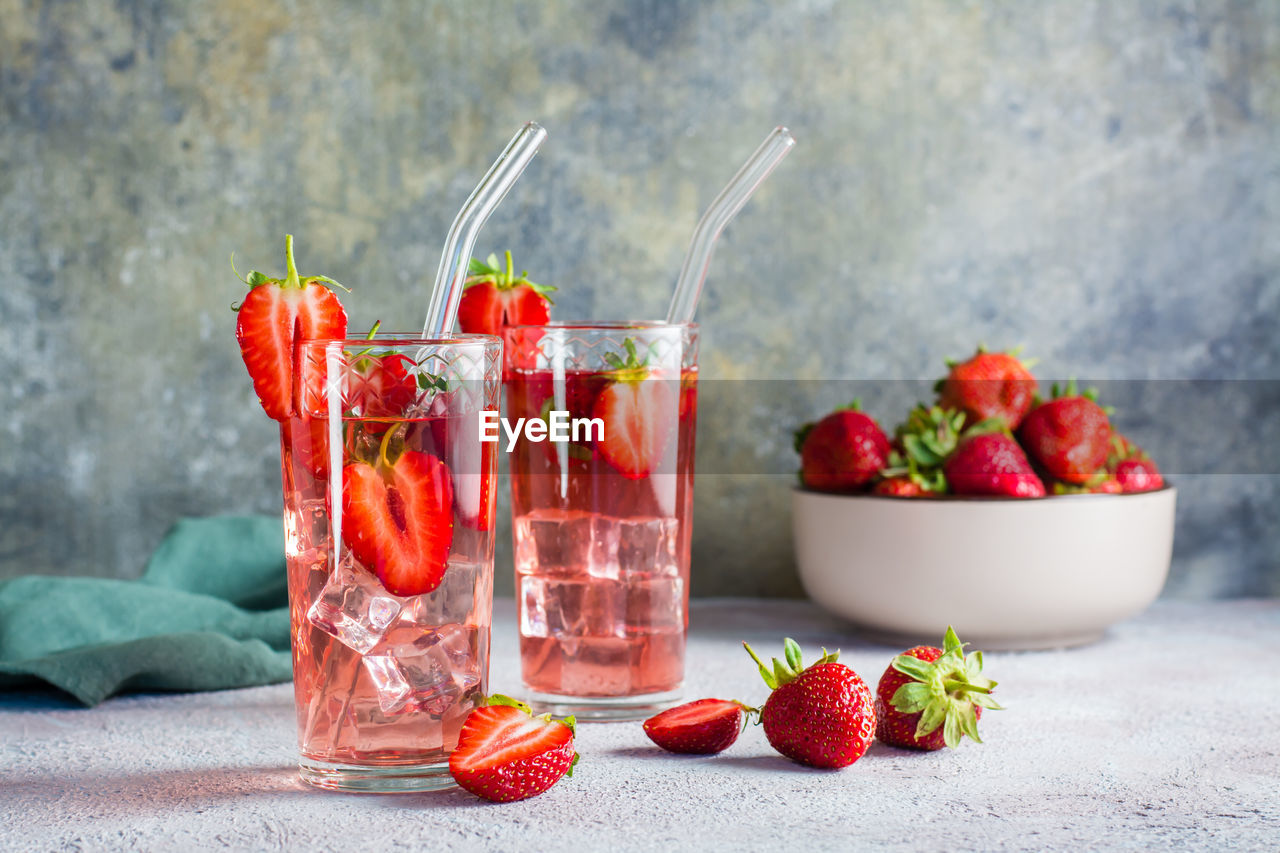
488, 194
731, 199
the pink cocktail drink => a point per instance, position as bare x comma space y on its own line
602, 522
389, 543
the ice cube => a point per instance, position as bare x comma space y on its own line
353, 607
655, 605
569, 608
454, 600
553, 542
647, 545
423, 669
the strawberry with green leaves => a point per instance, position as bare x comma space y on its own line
494, 298
822, 715
505, 753
931, 697
639, 409
922, 444
842, 452
1132, 469
397, 515
990, 385
274, 316
1068, 436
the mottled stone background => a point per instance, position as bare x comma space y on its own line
1097, 180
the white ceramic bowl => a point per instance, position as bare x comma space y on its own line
1006, 573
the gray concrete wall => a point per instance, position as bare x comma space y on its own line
1097, 180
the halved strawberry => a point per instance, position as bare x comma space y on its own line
270, 321
505, 754
398, 519
493, 299
703, 727
639, 411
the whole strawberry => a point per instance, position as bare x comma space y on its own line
992, 464
929, 697
1068, 436
494, 298
1132, 468
842, 452
921, 445
505, 754
989, 385
823, 715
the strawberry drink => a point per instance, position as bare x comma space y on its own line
601, 522
389, 505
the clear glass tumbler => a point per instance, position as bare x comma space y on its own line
602, 521
388, 513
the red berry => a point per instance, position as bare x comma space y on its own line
504, 754
273, 317
929, 697
842, 452
1069, 437
703, 727
398, 520
989, 385
992, 464
493, 299
823, 715
900, 487
639, 410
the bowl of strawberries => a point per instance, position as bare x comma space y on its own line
1024, 521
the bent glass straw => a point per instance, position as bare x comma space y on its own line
731, 199
488, 194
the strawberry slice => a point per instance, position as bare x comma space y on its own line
270, 321
703, 727
398, 519
638, 413
505, 754
493, 299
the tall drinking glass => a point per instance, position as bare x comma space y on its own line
602, 520
388, 512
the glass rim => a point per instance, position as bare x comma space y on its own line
394, 339
606, 325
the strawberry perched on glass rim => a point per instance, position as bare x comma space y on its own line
494, 298
274, 316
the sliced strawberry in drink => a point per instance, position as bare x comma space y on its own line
398, 520
276, 314
504, 754
639, 411
386, 388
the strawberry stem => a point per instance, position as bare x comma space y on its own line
510, 270
291, 280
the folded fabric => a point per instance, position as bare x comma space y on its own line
209, 613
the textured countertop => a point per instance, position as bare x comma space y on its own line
1163, 735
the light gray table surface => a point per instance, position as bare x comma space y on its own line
1165, 734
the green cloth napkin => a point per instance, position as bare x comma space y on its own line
209, 613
